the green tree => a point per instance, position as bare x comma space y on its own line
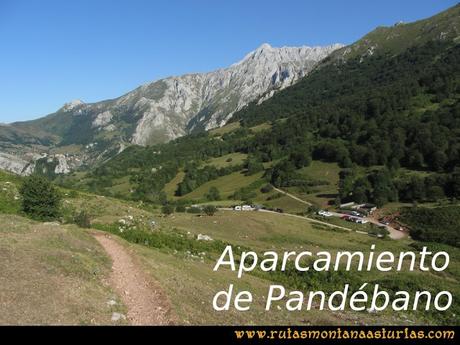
40, 199
438, 161
267, 188
180, 208
253, 166
300, 159
167, 209
213, 194
313, 209
435, 193
162, 198
361, 188
82, 219
210, 210
347, 179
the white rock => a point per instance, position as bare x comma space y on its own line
62, 167
72, 105
117, 317
201, 237
16, 164
102, 119
112, 303
180, 104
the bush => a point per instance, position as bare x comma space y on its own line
267, 188
40, 199
253, 166
180, 208
312, 209
195, 210
210, 210
82, 219
73, 194
167, 209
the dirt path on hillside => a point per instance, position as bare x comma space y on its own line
292, 196
146, 303
307, 218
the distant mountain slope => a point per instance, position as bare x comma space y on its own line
162, 110
382, 43
381, 113
397, 38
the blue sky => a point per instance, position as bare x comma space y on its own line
53, 51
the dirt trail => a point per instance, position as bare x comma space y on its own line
292, 196
145, 302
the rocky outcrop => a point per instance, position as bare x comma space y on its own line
155, 112
204, 101
16, 164
172, 107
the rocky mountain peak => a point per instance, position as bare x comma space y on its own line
203, 101
168, 108
72, 105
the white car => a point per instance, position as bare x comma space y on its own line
247, 208
325, 214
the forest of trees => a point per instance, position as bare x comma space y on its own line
383, 111
195, 176
394, 111
434, 224
382, 186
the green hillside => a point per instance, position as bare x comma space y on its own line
377, 122
65, 256
52, 274
401, 36
395, 113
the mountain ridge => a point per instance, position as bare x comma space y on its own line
164, 109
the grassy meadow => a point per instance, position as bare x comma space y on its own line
67, 256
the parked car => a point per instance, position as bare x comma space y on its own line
247, 208
325, 213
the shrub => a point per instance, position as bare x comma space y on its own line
167, 209
82, 219
267, 188
253, 166
180, 208
210, 210
40, 199
312, 209
73, 194
195, 210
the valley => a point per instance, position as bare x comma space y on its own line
115, 212
173, 257
81, 134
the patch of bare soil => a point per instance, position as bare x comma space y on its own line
146, 303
